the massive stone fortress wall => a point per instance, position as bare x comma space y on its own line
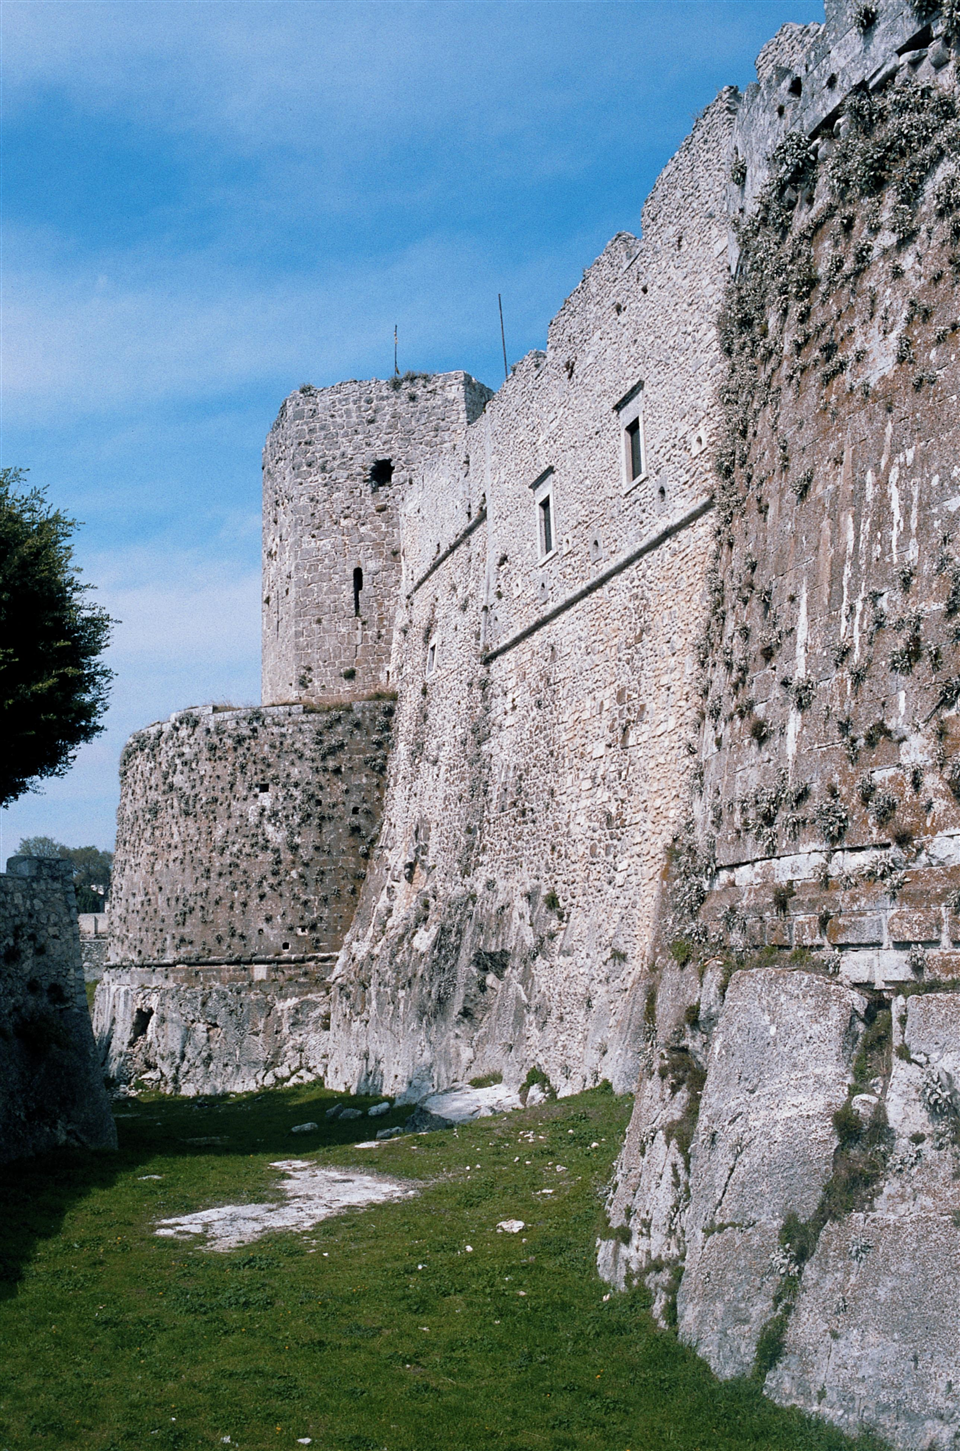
673, 794
544, 692
805, 1014
335, 465
51, 1089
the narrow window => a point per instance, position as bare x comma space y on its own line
545, 507
633, 452
635, 449
431, 658
542, 490
357, 587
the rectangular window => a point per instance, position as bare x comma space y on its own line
635, 449
545, 507
542, 490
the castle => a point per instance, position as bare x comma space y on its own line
609, 728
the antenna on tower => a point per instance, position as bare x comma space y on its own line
396, 369
503, 340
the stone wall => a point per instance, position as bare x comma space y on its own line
51, 1089
797, 1123
243, 835
544, 702
215, 1029
674, 794
335, 466
94, 944
243, 841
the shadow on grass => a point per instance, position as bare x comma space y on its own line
37, 1194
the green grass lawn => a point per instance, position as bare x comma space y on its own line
378, 1329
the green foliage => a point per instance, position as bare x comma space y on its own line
486, 1080
551, 901
536, 1076
831, 818
799, 1237
859, 1164
847, 1125
53, 684
92, 868
683, 1072
681, 950
770, 1345
871, 1059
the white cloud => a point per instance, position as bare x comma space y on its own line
195, 327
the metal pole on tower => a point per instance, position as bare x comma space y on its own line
503, 339
396, 370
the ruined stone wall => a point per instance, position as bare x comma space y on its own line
544, 701
335, 466
797, 1121
51, 1089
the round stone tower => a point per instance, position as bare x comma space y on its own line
335, 466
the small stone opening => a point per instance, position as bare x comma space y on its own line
357, 587
381, 472
141, 1022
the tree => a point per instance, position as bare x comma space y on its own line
53, 683
91, 868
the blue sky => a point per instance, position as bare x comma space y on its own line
207, 204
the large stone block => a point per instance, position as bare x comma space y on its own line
875, 1334
777, 1070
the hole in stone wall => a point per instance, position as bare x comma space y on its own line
357, 587
264, 786
796, 86
916, 42
661, 493
285, 946
141, 1022
381, 472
